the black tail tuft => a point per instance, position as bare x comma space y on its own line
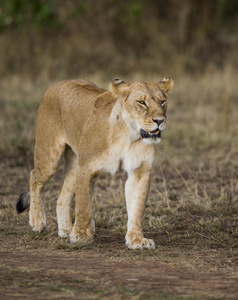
24, 202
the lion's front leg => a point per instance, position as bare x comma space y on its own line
84, 227
137, 187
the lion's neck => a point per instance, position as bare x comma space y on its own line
121, 126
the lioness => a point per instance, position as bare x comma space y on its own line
103, 129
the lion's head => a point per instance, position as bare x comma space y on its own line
144, 106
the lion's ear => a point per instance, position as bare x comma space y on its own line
166, 84
119, 87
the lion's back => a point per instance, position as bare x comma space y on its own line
66, 106
70, 93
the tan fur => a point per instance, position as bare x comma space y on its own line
96, 130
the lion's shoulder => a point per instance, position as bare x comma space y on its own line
87, 85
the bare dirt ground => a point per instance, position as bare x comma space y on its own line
184, 265
113, 274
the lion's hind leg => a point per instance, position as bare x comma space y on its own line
46, 161
66, 194
37, 215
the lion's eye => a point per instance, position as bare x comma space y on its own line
162, 102
142, 103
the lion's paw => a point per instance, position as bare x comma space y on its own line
37, 222
64, 233
84, 236
140, 243
80, 237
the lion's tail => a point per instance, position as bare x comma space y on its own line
24, 202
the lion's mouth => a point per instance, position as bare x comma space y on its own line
150, 134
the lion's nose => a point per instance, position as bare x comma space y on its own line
158, 121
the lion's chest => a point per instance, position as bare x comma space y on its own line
129, 156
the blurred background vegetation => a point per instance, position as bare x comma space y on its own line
64, 39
